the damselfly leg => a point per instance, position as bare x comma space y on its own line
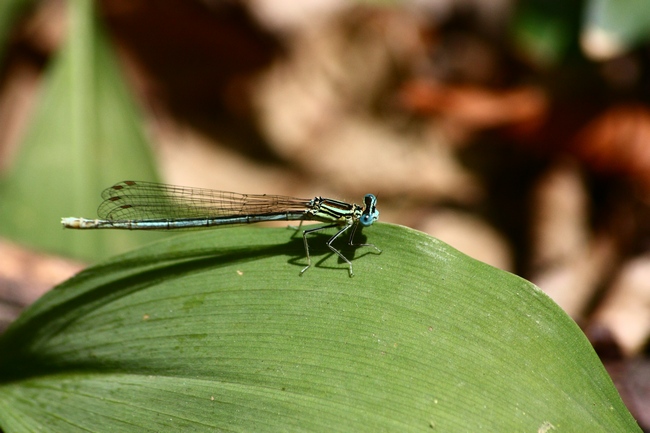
331, 240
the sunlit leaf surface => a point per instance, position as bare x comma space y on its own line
216, 331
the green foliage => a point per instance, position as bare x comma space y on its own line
548, 32
625, 22
85, 136
545, 32
10, 12
218, 332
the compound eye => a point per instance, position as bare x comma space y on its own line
366, 220
370, 212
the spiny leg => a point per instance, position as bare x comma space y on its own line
304, 238
338, 253
351, 240
331, 240
296, 229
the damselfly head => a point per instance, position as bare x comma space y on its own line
370, 213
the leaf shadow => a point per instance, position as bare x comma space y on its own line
120, 278
318, 247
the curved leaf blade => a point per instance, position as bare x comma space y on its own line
218, 332
85, 136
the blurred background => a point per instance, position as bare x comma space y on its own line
517, 131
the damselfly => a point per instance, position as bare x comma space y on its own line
132, 205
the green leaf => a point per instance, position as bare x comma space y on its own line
85, 136
10, 12
216, 331
544, 32
612, 27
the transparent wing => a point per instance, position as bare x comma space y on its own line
135, 200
